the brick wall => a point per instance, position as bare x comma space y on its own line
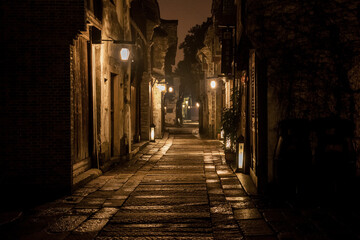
35, 95
310, 50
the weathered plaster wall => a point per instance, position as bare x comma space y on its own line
146, 16
170, 27
115, 25
157, 98
159, 50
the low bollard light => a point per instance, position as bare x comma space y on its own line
240, 154
152, 132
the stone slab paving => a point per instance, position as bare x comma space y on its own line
177, 188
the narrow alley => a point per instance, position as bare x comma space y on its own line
176, 188
159, 119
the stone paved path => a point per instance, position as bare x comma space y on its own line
176, 188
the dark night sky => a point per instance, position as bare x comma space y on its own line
188, 12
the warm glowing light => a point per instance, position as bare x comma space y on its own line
152, 133
213, 84
171, 89
197, 104
161, 87
222, 133
186, 102
183, 105
189, 107
241, 155
124, 54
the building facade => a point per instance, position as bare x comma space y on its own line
293, 70
293, 78
73, 106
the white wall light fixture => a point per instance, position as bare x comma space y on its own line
213, 84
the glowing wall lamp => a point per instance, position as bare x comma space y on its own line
197, 104
125, 51
152, 132
213, 84
240, 154
171, 89
124, 54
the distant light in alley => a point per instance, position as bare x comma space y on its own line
161, 87
124, 54
183, 105
189, 107
228, 143
213, 84
197, 104
171, 89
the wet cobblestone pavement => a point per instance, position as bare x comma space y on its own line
176, 188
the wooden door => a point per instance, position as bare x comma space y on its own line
115, 114
81, 107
